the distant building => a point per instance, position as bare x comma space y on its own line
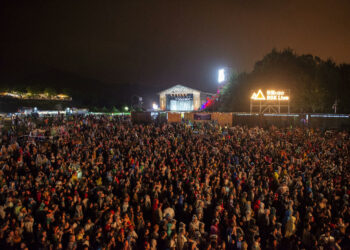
182, 98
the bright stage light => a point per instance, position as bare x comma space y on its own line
155, 106
221, 75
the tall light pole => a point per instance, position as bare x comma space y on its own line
335, 106
224, 75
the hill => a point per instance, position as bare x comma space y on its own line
86, 92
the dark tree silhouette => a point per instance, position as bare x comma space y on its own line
315, 84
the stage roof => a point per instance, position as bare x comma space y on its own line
179, 89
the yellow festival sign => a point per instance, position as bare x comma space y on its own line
271, 95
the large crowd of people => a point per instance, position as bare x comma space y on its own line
98, 182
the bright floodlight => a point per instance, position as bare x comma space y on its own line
126, 108
155, 106
221, 75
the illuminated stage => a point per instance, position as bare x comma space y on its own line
181, 98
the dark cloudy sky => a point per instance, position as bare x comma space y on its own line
160, 43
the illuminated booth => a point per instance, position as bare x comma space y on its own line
181, 98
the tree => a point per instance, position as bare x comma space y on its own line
94, 109
104, 110
314, 83
114, 110
50, 92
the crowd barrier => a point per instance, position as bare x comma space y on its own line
322, 121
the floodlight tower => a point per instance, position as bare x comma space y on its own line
224, 76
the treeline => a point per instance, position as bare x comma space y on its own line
315, 84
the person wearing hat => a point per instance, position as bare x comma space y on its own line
169, 211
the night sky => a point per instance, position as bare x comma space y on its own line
161, 43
